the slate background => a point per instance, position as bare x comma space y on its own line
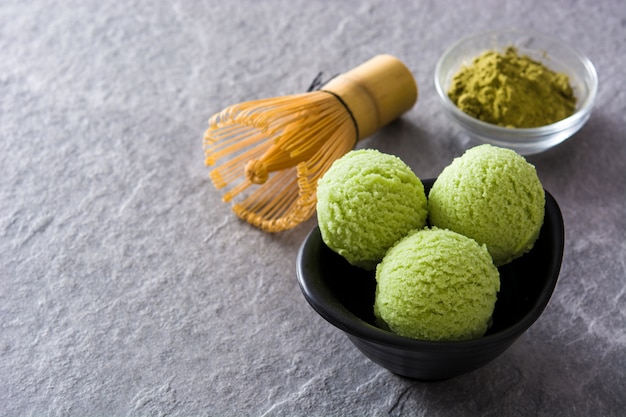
127, 288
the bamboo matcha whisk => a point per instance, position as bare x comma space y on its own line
275, 150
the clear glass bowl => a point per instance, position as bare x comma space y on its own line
552, 53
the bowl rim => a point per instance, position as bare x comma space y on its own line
340, 317
529, 132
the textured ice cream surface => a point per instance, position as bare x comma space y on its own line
492, 195
436, 284
367, 201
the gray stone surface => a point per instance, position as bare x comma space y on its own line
127, 288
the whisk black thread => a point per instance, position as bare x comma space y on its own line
343, 103
317, 84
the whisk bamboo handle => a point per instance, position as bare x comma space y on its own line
376, 92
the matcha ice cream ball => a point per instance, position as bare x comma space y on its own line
366, 202
492, 195
436, 284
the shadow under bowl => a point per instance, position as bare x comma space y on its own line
344, 296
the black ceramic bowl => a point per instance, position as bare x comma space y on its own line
344, 296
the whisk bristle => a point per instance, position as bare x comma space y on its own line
281, 146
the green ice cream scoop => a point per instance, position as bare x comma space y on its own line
366, 202
436, 284
492, 195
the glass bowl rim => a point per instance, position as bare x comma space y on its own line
531, 132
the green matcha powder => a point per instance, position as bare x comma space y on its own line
512, 90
